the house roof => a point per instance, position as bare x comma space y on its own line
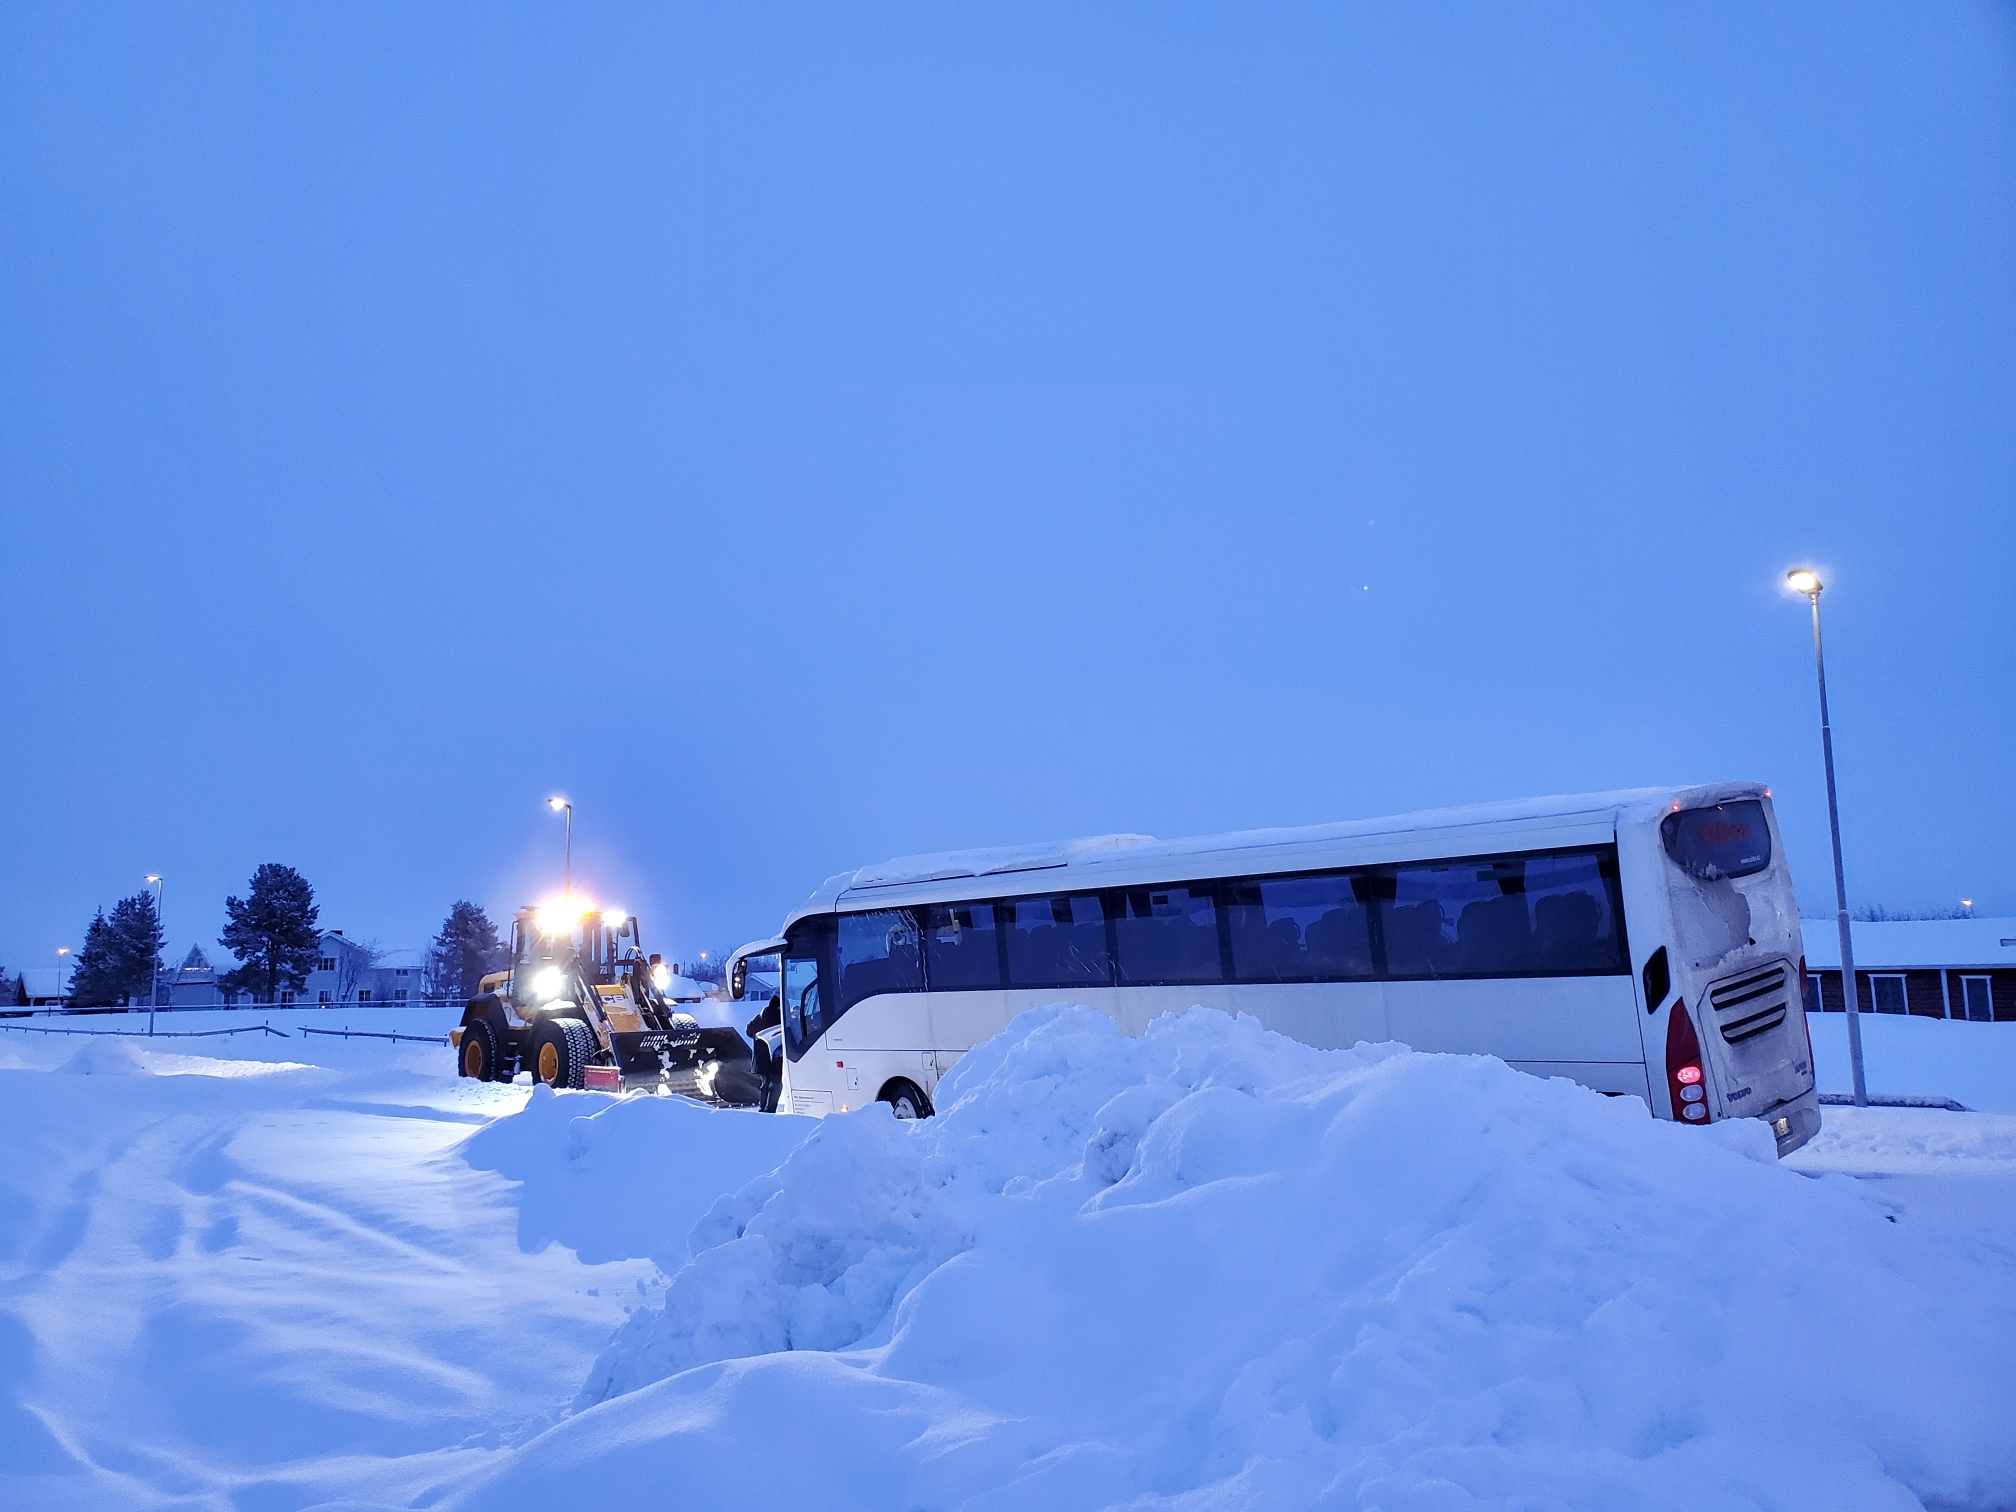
1900, 944
400, 960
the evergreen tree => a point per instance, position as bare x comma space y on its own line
95, 979
462, 952
21, 990
273, 932
136, 945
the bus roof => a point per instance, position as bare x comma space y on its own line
1119, 860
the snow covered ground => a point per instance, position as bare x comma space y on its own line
1208, 1268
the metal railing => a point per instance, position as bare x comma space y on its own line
150, 1033
348, 1005
346, 1032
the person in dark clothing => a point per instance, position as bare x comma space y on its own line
769, 1071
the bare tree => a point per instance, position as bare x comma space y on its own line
351, 965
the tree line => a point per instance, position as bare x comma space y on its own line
273, 931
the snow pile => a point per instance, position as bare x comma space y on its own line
599, 1173
1214, 1267
1974, 1064
103, 1055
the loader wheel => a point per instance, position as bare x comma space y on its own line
905, 1100
479, 1051
561, 1048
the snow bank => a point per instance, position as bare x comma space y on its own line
1974, 1064
1211, 1267
105, 1056
599, 1173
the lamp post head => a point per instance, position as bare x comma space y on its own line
1802, 580
62, 950
152, 878
557, 804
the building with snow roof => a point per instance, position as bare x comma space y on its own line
1931, 968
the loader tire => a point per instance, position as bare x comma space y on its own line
479, 1055
561, 1050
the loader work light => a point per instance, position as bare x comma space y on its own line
561, 915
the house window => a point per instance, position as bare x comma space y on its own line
364, 994
401, 971
1813, 993
1980, 1002
322, 996
286, 995
326, 963
399, 995
1888, 992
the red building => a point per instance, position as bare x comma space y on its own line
1934, 968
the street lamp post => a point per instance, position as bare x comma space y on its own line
154, 984
61, 951
558, 804
1808, 583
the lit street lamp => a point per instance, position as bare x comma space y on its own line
1808, 583
61, 951
154, 986
557, 804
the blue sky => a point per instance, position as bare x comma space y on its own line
806, 436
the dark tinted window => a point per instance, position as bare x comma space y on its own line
806, 1009
1168, 934
1725, 840
1056, 942
1558, 915
1287, 929
878, 953
962, 947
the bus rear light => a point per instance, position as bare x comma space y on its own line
1685, 1081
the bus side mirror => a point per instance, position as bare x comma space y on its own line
738, 980
655, 959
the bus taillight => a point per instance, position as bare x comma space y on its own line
1684, 1077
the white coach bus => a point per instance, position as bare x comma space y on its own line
1642, 943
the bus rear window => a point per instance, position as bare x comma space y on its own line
1725, 840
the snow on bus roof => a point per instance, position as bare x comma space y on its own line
997, 860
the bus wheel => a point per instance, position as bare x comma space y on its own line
479, 1053
560, 1051
906, 1100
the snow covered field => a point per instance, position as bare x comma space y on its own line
1208, 1268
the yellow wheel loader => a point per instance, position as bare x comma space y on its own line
580, 1006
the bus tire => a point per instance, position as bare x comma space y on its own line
480, 1057
561, 1048
906, 1099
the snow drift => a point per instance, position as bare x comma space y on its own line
1214, 1267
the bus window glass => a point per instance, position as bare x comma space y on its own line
1577, 911
1509, 916
804, 1015
878, 953
1287, 929
1465, 918
1167, 934
1056, 942
961, 947
1725, 840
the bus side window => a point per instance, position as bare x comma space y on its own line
878, 953
961, 947
1057, 942
1168, 934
